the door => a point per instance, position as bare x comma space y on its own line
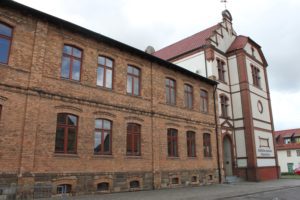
227, 156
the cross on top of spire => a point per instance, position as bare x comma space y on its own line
225, 3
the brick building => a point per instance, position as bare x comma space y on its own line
84, 113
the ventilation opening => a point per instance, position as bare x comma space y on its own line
134, 184
64, 189
210, 177
194, 179
103, 186
175, 181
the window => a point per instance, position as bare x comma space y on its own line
194, 179
66, 133
221, 70
175, 181
102, 136
64, 189
207, 145
105, 72
288, 153
287, 140
71, 63
298, 152
188, 96
5, 42
255, 76
133, 139
203, 101
297, 139
191, 144
134, 184
104, 186
170, 91
224, 106
133, 80
172, 143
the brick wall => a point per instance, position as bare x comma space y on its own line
32, 94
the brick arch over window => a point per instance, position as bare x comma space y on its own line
224, 101
6, 35
66, 133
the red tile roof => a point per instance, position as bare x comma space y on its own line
190, 43
239, 43
287, 133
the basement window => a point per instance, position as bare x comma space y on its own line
64, 189
175, 181
104, 186
134, 184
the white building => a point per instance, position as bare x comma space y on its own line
245, 115
288, 149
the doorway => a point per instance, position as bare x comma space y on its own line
227, 156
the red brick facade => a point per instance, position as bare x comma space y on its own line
32, 93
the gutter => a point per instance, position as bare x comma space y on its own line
217, 133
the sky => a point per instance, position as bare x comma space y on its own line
273, 24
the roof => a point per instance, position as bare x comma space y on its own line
287, 133
101, 38
188, 44
239, 43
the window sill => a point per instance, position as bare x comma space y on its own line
258, 87
221, 81
173, 158
208, 158
133, 157
104, 88
99, 156
192, 157
65, 155
70, 80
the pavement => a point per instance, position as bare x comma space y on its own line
282, 189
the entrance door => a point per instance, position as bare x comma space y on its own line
227, 156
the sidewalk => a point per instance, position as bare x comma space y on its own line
219, 191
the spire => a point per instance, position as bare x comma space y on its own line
226, 15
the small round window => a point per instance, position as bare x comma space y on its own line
260, 106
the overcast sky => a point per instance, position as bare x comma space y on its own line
274, 24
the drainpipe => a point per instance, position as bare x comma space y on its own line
217, 138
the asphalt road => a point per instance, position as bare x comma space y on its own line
283, 189
280, 194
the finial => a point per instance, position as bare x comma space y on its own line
225, 2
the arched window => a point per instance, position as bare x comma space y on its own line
188, 96
203, 101
103, 133
224, 106
133, 139
172, 142
64, 189
170, 91
104, 186
5, 42
134, 184
66, 133
71, 63
191, 143
105, 72
133, 80
207, 145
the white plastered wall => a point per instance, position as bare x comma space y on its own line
265, 115
194, 63
249, 51
283, 159
260, 150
